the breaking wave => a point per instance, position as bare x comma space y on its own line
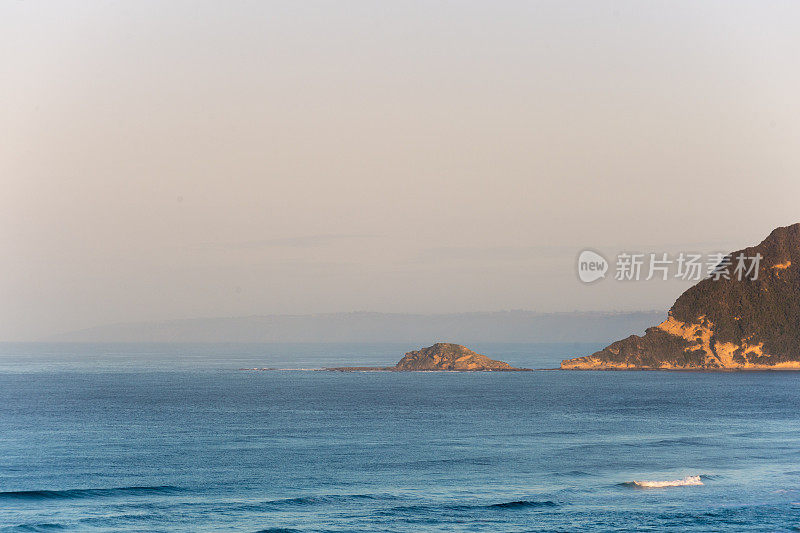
685, 482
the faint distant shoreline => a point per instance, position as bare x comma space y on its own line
368, 327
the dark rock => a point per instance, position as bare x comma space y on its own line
721, 324
446, 356
440, 356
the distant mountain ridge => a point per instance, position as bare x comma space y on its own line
501, 326
723, 324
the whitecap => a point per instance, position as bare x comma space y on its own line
687, 481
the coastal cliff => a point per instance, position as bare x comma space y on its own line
441, 356
723, 324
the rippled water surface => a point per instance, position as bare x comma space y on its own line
175, 438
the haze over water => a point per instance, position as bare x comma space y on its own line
203, 159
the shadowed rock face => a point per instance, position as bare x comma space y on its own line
446, 356
723, 324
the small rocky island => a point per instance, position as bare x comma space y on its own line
440, 356
723, 324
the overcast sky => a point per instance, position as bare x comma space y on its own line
194, 159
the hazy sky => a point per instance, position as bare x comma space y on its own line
189, 159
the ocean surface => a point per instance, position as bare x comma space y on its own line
176, 438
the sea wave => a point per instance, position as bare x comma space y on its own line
85, 493
34, 527
685, 482
304, 501
327, 498
572, 474
521, 504
462, 508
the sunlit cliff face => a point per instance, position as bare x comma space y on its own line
721, 324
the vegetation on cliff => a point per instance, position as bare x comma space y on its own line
724, 323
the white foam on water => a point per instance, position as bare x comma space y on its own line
687, 481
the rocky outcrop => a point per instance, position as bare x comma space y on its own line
446, 356
441, 356
723, 324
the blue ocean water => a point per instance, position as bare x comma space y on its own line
175, 438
